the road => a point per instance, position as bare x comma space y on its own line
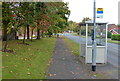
112, 49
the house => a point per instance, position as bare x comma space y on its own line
113, 29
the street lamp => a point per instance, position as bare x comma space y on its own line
94, 39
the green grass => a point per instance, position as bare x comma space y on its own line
77, 35
74, 34
101, 76
28, 61
117, 42
73, 46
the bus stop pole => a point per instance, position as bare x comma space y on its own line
94, 40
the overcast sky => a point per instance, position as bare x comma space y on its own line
84, 8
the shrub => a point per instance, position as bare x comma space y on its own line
109, 34
116, 37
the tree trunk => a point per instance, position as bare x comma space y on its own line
4, 34
50, 34
24, 35
38, 33
5, 47
16, 37
31, 34
28, 36
42, 33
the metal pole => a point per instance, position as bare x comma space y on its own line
94, 40
81, 54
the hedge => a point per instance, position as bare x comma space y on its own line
109, 34
116, 37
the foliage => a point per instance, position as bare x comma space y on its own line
116, 37
6, 15
85, 19
57, 16
46, 15
73, 26
109, 34
118, 25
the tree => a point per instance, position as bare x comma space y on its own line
118, 25
85, 19
59, 13
72, 26
6, 20
33, 26
43, 16
83, 28
27, 17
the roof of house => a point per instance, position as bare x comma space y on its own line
109, 25
112, 26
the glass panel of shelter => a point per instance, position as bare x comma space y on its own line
82, 34
100, 35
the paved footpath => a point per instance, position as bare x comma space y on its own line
65, 65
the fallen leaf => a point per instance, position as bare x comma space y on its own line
48, 64
7, 55
43, 73
6, 66
72, 51
63, 58
50, 74
15, 65
77, 62
41, 80
11, 71
28, 73
66, 50
30, 64
3, 67
77, 73
72, 72
54, 74
22, 61
94, 75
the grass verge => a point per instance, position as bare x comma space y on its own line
73, 46
29, 61
74, 34
117, 42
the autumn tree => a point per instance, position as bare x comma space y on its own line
44, 16
58, 12
7, 18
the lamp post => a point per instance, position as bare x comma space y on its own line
94, 39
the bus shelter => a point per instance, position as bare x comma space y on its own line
86, 41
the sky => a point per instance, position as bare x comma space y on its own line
84, 8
